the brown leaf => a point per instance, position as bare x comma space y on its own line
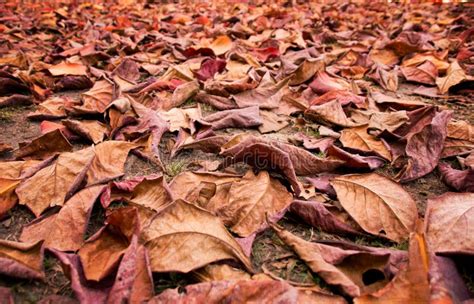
260, 291
320, 216
101, 253
272, 122
44, 146
66, 229
188, 185
387, 80
52, 108
424, 147
184, 237
454, 75
237, 118
220, 272
21, 260
379, 205
411, 284
359, 139
92, 130
324, 83
68, 68
151, 192
425, 73
267, 95
8, 198
109, 161
97, 99
448, 223
54, 184
344, 269
331, 113
460, 129
248, 201
221, 45
306, 71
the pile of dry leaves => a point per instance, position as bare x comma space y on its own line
235, 152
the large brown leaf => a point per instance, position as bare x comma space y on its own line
379, 205
109, 161
21, 260
246, 203
64, 230
448, 223
54, 184
184, 237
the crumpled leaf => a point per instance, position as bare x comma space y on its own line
90, 129
411, 283
66, 229
305, 71
267, 95
21, 260
54, 184
52, 108
319, 216
454, 75
425, 73
380, 206
424, 147
341, 268
272, 122
238, 118
343, 97
460, 180
209, 68
359, 139
448, 223
387, 80
101, 253
324, 83
200, 237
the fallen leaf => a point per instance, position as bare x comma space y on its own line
68, 68
454, 75
380, 206
248, 202
359, 139
90, 129
109, 161
331, 113
260, 291
448, 223
54, 184
200, 237
8, 198
66, 229
44, 146
21, 260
